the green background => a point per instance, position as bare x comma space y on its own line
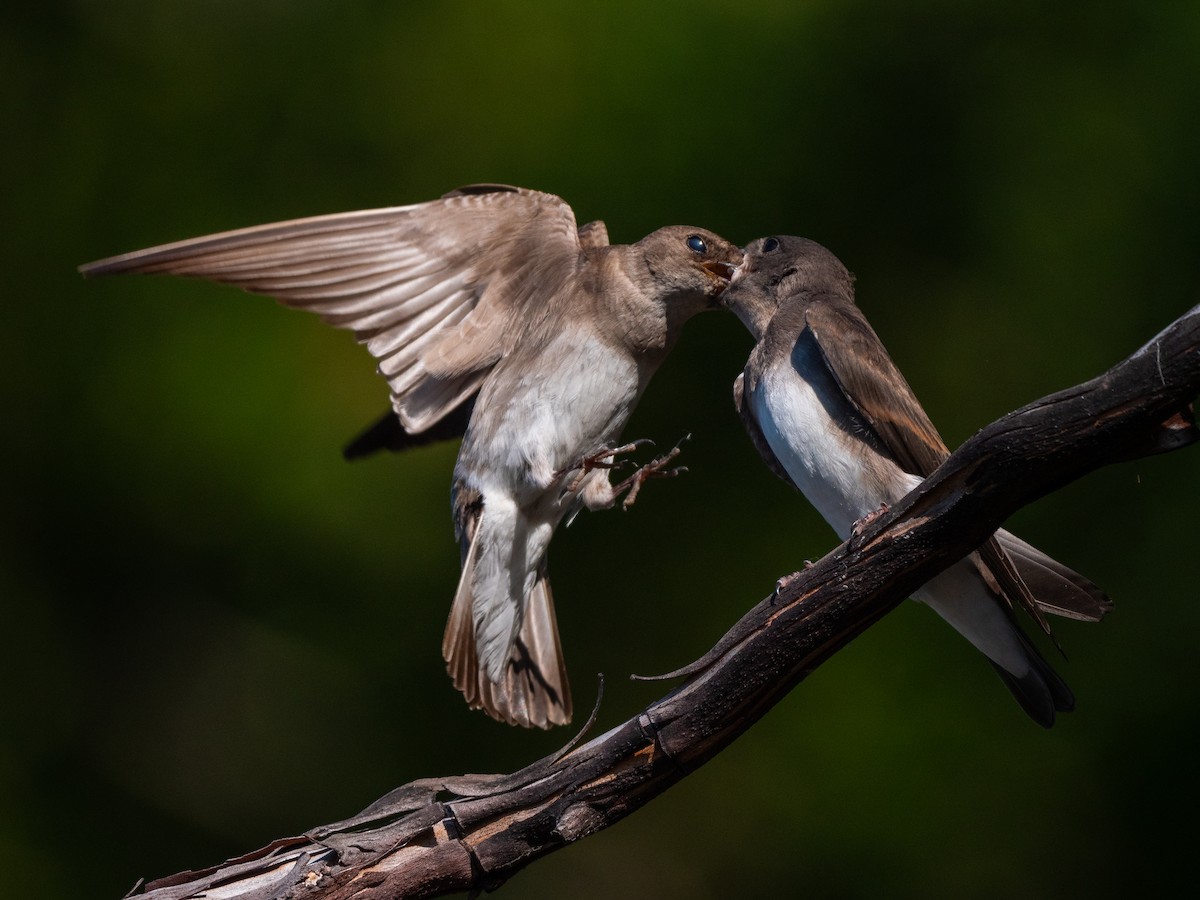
216, 632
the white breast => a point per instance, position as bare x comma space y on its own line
535, 418
795, 404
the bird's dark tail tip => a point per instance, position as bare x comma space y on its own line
1040, 691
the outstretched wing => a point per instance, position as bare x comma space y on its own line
388, 433
437, 291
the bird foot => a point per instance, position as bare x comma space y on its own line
601, 459
783, 583
656, 468
857, 529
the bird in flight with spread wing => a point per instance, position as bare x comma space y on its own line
493, 318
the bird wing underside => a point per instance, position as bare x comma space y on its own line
437, 291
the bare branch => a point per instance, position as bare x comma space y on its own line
442, 835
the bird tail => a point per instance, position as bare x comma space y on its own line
971, 605
530, 689
1056, 589
1040, 691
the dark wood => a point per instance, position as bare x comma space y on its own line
443, 835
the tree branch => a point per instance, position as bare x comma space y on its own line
441, 835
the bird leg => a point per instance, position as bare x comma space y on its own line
601, 459
787, 580
857, 529
656, 468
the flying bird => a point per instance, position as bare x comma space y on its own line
493, 318
831, 414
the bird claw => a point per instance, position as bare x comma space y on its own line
783, 583
601, 459
635, 481
859, 527
656, 468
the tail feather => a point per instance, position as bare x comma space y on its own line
1053, 588
970, 603
531, 689
458, 642
538, 661
1057, 589
1041, 692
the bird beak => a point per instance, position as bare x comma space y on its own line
720, 270
728, 274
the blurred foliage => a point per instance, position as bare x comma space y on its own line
219, 633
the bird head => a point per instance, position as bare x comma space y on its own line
779, 269
690, 264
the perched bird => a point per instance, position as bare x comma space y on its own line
493, 317
831, 414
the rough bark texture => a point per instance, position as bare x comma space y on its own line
442, 835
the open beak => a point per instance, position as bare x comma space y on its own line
722, 270
723, 274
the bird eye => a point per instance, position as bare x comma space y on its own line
696, 244
770, 245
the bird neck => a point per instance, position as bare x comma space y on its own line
634, 317
755, 312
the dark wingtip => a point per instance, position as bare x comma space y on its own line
468, 190
381, 435
387, 433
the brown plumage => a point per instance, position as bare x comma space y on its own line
832, 415
492, 317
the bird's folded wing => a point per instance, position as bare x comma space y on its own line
858, 360
871, 381
437, 291
757, 438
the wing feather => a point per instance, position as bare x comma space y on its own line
757, 438
405, 280
872, 382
